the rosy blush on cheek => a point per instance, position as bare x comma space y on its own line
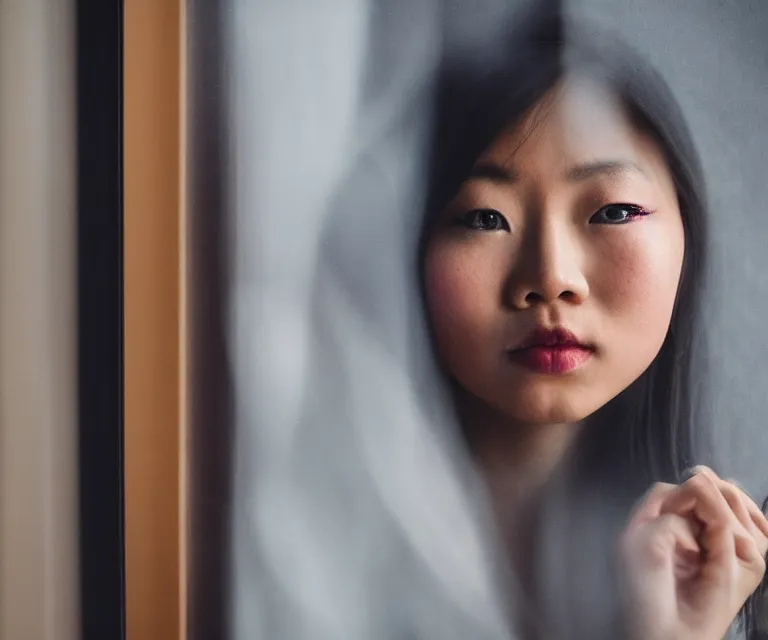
459, 307
439, 281
630, 288
451, 279
639, 273
447, 296
637, 291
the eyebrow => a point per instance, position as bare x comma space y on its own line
493, 172
612, 168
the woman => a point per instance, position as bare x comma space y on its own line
562, 261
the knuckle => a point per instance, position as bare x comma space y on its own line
730, 489
660, 487
698, 482
701, 469
733, 495
754, 552
653, 495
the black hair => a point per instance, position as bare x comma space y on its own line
659, 434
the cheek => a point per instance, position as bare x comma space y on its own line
463, 285
638, 276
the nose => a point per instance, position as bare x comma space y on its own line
548, 268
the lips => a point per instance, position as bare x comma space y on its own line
551, 351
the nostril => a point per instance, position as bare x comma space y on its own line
534, 297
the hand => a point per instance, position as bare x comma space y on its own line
692, 555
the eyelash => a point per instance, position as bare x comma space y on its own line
466, 220
634, 212
470, 220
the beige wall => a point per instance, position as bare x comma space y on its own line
38, 376
154, 381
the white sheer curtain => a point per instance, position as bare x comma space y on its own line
351, 517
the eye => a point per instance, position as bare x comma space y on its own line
618, 214
484, 220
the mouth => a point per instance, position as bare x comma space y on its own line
552, 351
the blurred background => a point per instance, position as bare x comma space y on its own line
38, 322
198, 276
91, 329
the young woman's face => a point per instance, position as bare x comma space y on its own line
569, 224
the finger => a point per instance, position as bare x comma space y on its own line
756, 522
668, 541
758, 517
699, 497
738, 484
648, 508
756, 514
749, 543
737, 501
743, 506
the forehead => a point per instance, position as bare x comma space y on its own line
578, 121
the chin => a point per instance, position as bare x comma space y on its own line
536, 416
557, 408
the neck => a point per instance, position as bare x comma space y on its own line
516, 461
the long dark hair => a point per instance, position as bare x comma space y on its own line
656, 429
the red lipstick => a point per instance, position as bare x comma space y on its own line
551, 351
